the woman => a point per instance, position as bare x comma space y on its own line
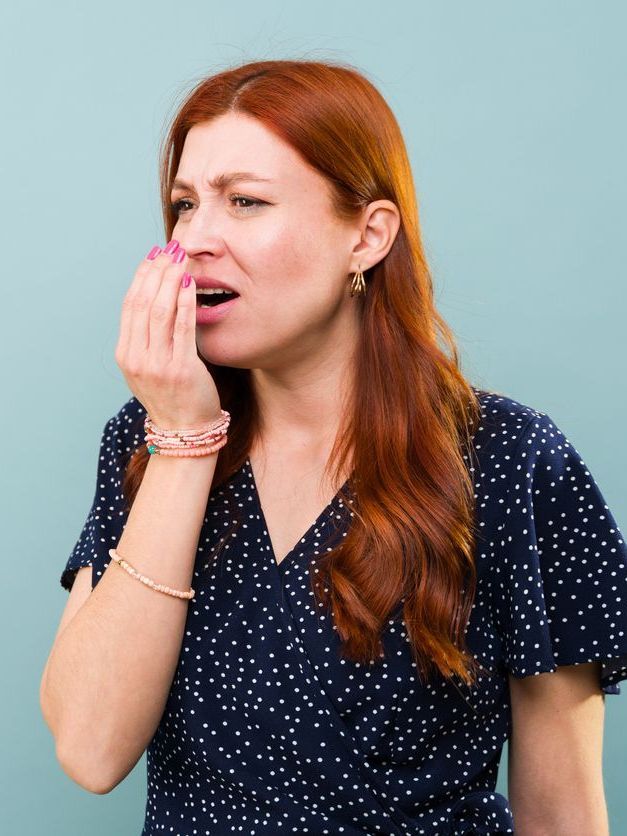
361, 672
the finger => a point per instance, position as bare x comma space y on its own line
126, 314
184, 351
163, 310
142, 302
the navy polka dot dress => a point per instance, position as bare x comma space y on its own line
267, 731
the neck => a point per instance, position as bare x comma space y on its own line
302, 406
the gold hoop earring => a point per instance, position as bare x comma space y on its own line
358, 284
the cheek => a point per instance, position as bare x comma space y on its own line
295, 254
277, 255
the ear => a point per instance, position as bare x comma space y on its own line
379, 225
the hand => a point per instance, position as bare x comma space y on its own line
156, 348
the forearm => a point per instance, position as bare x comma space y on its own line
111, 669
582, 814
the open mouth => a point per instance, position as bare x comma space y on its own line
212, 300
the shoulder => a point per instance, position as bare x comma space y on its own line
500, 411
524, 435
124, 431
505, 424
130, 414
516, 447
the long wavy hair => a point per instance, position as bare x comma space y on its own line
413, 414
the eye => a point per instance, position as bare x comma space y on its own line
250, 200
177, 206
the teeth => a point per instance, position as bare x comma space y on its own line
212, 290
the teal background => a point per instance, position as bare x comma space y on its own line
515, 123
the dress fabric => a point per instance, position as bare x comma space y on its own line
268, 730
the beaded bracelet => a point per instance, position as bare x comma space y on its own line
159, 587
181, 442
187, 442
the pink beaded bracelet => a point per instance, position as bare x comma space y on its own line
187, 442
159, 587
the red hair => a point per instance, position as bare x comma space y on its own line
413, 413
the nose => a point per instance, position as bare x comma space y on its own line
201, 237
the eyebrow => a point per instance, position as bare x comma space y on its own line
221, 181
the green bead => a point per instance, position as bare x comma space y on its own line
152, 448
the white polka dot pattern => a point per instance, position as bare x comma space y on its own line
268, 730
561, 573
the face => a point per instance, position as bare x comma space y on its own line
277, 243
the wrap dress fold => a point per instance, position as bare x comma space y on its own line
268, 730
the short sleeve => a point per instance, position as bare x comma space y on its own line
108, 513
562, 563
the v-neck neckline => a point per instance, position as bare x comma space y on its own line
304, 538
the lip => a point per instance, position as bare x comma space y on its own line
208, 281
205, 316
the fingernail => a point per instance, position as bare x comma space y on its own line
187, 278
171, 246
154, 252
179, 255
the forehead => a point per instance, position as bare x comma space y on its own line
235, 142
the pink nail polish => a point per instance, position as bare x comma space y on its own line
171, 246
186, 280
154, 252
179, 255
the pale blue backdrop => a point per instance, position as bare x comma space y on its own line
515, 122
